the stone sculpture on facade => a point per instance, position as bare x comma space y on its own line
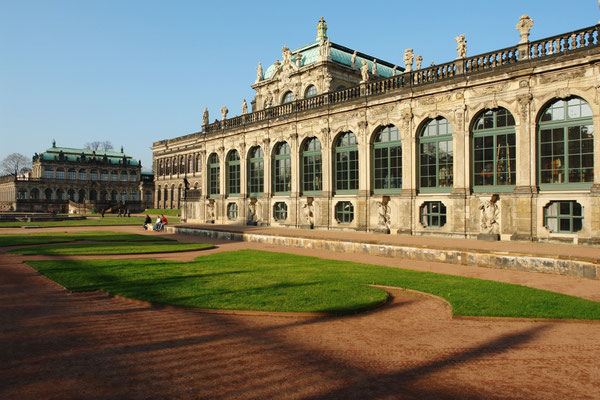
524, 26
461, 46
205, 117
374, 71
353, 59
408, 59
224, 112
419, 62
490, 213
244, 107
259, 73
286, 55
252, 218
364, 71
309, 215
210, 211
383, 216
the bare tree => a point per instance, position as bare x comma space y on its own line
95, 145
15, 164
106, 145
98, 145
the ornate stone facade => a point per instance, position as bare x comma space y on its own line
414, 152
63, 179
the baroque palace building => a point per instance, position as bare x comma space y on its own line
65, 180
498, 145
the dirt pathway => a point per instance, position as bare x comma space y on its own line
70, 346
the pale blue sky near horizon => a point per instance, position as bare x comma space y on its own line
135, 72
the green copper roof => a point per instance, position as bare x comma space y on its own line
339, 54
75, 155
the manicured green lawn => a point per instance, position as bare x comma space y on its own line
80, 249
158, 211
254, 280
85, 222
61, 237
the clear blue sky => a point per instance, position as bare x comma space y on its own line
134, 72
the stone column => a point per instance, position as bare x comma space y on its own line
361, 211
267, 189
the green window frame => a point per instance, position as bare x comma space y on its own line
232, 211
311, 91
312, 167
280, 211
566, 145
493, 150
344, 212
346, 164
436, 156
433, 214
387, 160
288, 97
282, 169
563, 216
233, 173
256, 171
213, 175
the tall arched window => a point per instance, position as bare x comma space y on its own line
114, 176
48, 194
311, 91
312, 162
436, 156
566, 145
60, 173
82, 176
34, 194
60, 194
213, 175
123, 176
48, 172
158, 194
71, 173
346, 163
190, 168
282, 169
256, 171
104, 175
233, 173
94, 175
288, 97
181, 165
161, 169
167, 167
387, 160
494, 151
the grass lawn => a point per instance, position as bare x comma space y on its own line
106, 221
81, 249
166, 212
61, 237
255, 280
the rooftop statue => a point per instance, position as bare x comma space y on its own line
287, 55
408, 59
374, 72
364, 71
419, 62
244, 107
461, 46
524, 26
259, 73
224, 112
353, 59
205, 116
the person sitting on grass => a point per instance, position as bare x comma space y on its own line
147, 221
157, 224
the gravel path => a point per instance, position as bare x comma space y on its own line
57, 345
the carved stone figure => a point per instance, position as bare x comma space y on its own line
210, 211
252, 212
394, 70
324, 49
408, 59
309, 215
353, 59
205, 117
259, 73
524, 26
490, 212
374, 71
384, 215
461, 46
286, 55
298, 60
277, 65
419, 62
364, 71
244, 107
224, 112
